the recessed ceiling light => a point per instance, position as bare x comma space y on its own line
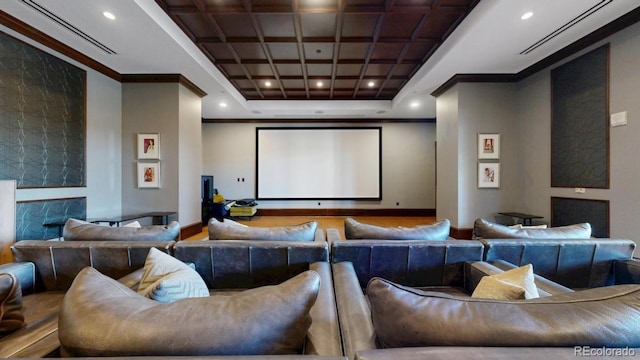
414, 104
371, 84
380, 112
256, 112
320, 84
526, 15
109, 15
223, 104
267, 83
319, 112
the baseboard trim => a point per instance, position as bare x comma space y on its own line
190, 230
346, 212
461, 234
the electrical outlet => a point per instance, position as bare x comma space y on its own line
581, 190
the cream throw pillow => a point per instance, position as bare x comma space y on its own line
510, 285
133, 224
167, 279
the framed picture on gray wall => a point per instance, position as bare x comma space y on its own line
488, 146
149, 146
488, 175
148, 174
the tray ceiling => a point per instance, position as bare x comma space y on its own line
318, 49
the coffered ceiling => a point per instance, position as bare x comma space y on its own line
318, 49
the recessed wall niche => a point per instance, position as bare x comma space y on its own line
579, 121
42, 118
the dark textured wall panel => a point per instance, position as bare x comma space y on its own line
579, 125
567, 211
42, 117
32, 215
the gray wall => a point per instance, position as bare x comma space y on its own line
150, 108
190, 157
463, 112
408, 164
173, 112
521, 113
447, 162
534, 123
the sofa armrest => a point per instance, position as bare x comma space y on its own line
545, 286
323, 337
319, 235
354, 314
25, 272
474, 271
36, 340
333, 235
626, 271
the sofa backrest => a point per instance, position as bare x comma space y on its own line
79, 230
575, 264
411, 263
58, 262
243, 264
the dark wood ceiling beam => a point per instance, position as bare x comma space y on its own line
338, 77
367, 59
213, 23
318, 39
297, 25
272, 39
405, 48
336, 46
182, 10
216, 27
316, 62
207, 40
259, 31
275, 9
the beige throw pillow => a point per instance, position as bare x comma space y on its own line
167, 279
514, 284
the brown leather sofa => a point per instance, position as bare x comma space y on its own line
574, 263
234, 265
440, 271
47, 269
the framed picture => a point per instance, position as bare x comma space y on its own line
488, 146
488, 175
148, 175
149, 146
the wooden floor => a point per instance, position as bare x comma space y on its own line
327, 222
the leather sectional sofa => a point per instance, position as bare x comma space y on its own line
46, 270
433, 280
342, 316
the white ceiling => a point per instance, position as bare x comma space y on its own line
488, 41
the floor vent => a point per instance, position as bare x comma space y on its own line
60, 21
566, 26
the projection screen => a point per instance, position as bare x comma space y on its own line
312, 163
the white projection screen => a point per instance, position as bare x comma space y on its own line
312, 163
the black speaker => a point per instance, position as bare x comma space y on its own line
207, 188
